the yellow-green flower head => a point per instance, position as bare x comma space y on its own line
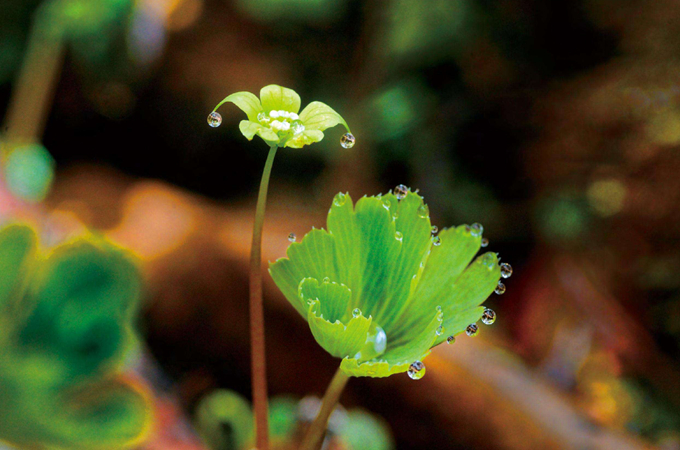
380, 289
277, 119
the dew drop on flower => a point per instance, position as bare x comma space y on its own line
297, 127
434, 229
436, 241
477, 229
489, 316
472, 329
347, 140
416, 371
500, 289
400, 192
273, 114
214, 119
450, 339
484, 242
263, 118
423, 211
356, 312
292, 237
506, 270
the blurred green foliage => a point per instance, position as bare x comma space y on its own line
65, 322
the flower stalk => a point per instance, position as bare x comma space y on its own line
257, 344
315, 433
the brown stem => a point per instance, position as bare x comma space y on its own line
257, 347
314, 436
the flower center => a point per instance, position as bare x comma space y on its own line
281, 121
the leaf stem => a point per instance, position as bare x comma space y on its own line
257, 347
315, 433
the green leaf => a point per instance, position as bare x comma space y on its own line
399, 355
334, 336
310, 258
320, 116
247, 102
17, 254
305, 138
85, 297
250, 129
276, 97
224, 420
104, 415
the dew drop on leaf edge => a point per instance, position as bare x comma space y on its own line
401, 191
416, 371
450, 339
356, 312
489, 316
506, 270
347, 140
214, 119
292, 237
472, 329
484, 242
500, 289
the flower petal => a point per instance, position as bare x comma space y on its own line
250, 129
247, 102
305, 138
312, 257
319, 116
398, 356
335, 337
276, 97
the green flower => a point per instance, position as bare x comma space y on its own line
274, 117
66, 320
379, 290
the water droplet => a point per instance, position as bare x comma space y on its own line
326, 280
399, 236
356, 312
439, 331
263, 118
439, 308
292, 237
500, 289
273, 114
489, 316
484, 242
434, 229
423, 211
472, 329
297, 126
214, 119
450, 339
436, 241
347, 140
400, 191
477, 229
416, 371
506, 270
340, 199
